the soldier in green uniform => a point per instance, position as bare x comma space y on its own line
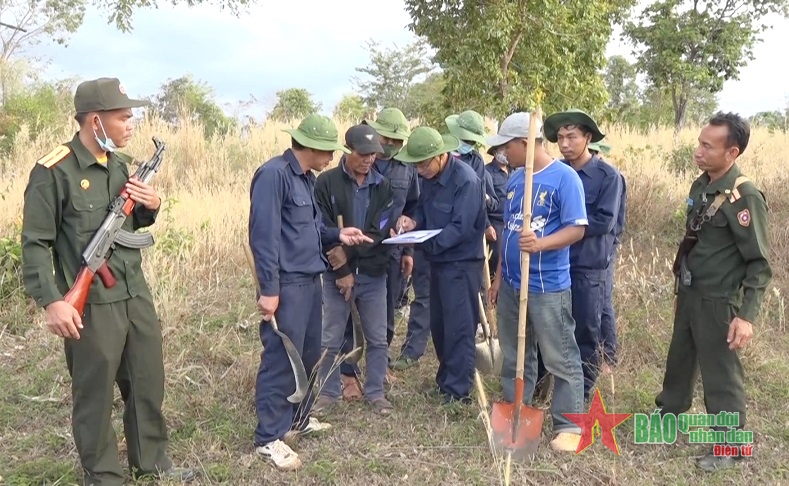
722, 272
118, 339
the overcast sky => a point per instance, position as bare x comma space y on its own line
308, 44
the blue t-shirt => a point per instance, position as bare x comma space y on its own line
557, 201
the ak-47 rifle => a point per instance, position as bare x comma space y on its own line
110, 234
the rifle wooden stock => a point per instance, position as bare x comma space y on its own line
78, 294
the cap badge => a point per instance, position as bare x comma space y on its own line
122, 88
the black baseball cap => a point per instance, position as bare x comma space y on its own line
363, 139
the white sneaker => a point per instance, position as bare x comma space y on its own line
314, 425
283, 457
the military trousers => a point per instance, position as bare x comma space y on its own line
454, 314
120, 343
608, 337
419, 315
298, 317
698, 343
588, 290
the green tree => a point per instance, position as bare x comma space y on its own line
40, 105
121, 11
352, 108
391, 73
657, 107
185, 97
775, 120
689, 47
623, 90
510, 54
645, 108
292, 104
426, 100
28, 23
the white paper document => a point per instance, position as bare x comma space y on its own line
411, 237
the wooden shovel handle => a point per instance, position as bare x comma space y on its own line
528, 173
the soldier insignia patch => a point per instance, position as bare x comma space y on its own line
85, 184
744, 217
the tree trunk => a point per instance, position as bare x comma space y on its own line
505, 63
680, 104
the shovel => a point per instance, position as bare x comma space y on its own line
489, 357
517, 427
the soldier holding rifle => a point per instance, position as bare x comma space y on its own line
119, 338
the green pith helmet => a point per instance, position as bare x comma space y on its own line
390, 123
426, 143
317, 132
468, 125
553, 123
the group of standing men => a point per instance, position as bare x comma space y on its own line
317, 245
392, 180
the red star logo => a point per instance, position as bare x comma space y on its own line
597, 417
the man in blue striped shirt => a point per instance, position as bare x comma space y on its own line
558, 220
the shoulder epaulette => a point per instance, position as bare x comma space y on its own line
51, 159
735, 193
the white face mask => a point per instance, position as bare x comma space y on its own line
107, 145
501, 158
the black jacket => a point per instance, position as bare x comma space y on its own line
334, 193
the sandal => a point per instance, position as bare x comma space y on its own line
351, 388
382, 406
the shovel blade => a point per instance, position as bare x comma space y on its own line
484, 361
527, 429
489, 357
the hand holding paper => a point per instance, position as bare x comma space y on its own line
411, 238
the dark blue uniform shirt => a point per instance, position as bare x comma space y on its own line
474, 160
499, 178
452, 201
404, 181
602, 190
286, 230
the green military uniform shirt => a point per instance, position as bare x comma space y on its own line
733, 249
66, 200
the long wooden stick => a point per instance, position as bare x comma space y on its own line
524, 294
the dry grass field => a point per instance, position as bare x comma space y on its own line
205, 297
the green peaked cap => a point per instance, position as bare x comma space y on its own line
390, 123
553, 123
425, 143
318, 132
468, 125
